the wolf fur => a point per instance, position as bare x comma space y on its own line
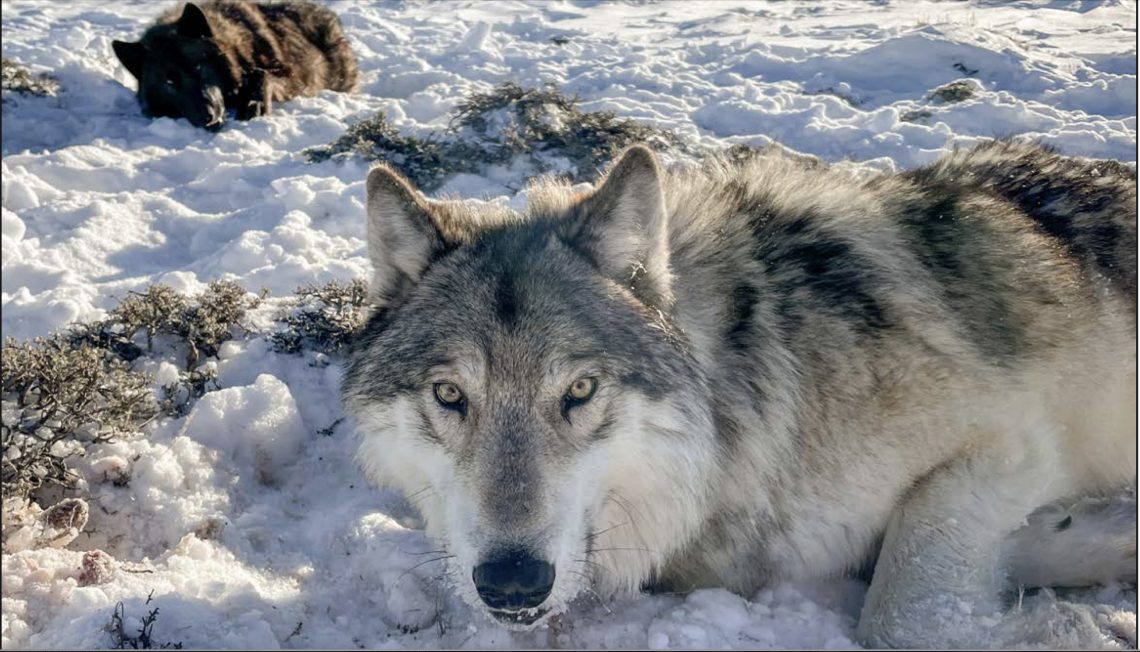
799, 374
199, 60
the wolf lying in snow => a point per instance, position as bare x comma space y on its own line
201, 59
744, 373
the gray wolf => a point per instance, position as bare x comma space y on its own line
199, 60
768, 369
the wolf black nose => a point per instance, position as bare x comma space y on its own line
514, 580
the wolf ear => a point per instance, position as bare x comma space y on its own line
193, 23
130, 55
402, 234
623, 226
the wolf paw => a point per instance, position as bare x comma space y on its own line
1058, 624
257, 93
1076, 543
254, 109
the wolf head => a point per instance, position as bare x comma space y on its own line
522, 382
181, 70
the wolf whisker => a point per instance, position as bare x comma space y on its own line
424, 563
425, 552
594, 535
590, 562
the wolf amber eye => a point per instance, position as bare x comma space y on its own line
579, 392
582, 389
449, 396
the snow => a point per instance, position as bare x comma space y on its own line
250, 528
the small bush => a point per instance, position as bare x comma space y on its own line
57, 398
916, 115
495, 128
739, 155
16, 78
511, 121
143, 638
322, 318
178, 397
428, 163
157, 310
210, 321
203, 322
955, 91
62, 393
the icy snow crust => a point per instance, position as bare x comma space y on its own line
251, 529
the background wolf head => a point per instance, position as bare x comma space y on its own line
517, 369
181, 70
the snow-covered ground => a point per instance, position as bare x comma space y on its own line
249, 528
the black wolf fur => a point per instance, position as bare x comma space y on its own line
200, 59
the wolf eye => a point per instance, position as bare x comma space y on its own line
580, 391
450, 396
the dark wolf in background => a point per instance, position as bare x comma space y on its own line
199, 60
742, 373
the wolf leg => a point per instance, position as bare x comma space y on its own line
256, 98
1076, 542
939, 579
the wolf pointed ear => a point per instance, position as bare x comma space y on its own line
193, 23
130, 55
402, 234
623, 226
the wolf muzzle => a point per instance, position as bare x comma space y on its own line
214, 113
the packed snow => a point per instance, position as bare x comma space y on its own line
247, 521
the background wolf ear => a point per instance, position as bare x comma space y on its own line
130, 55
623, 226
193, 23
402, 234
